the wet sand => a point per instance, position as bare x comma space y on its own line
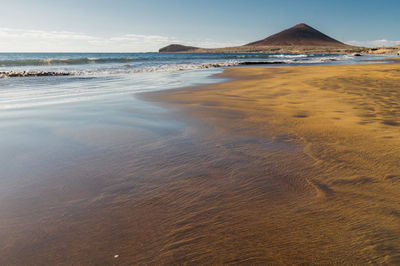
279, 165
337, 200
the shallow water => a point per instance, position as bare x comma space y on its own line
48, 121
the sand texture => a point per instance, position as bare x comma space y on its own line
276, 166
334, 199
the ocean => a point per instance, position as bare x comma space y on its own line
100, 64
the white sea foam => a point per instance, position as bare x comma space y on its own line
63, 61
143, 63
127, 69
290, 55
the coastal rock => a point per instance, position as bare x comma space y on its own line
384, 50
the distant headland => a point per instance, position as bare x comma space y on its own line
172, 48
300, 38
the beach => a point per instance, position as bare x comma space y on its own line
258, 165
333, 198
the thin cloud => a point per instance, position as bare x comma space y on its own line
27, 40
214, 44
374, 43
22, 40
38, 34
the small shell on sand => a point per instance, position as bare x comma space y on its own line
116, 256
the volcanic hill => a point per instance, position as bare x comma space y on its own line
299, 35
300, 38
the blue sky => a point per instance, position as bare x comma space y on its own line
129, 26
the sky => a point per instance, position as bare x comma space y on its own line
147, 25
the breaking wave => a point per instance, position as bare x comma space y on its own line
114, 65
290, 55
128, 69
61, 61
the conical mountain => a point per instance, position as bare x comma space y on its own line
299, 35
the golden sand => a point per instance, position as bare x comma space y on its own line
338, 199
279, 165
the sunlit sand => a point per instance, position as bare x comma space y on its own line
276, 165
337, 200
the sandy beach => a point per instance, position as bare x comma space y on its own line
275, 165
333, 197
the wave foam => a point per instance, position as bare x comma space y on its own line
61, 61
18, 74
126, 70
290, 55
130, 69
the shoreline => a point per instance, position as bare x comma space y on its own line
298, 50
345, 119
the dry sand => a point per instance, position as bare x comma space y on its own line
335, 199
